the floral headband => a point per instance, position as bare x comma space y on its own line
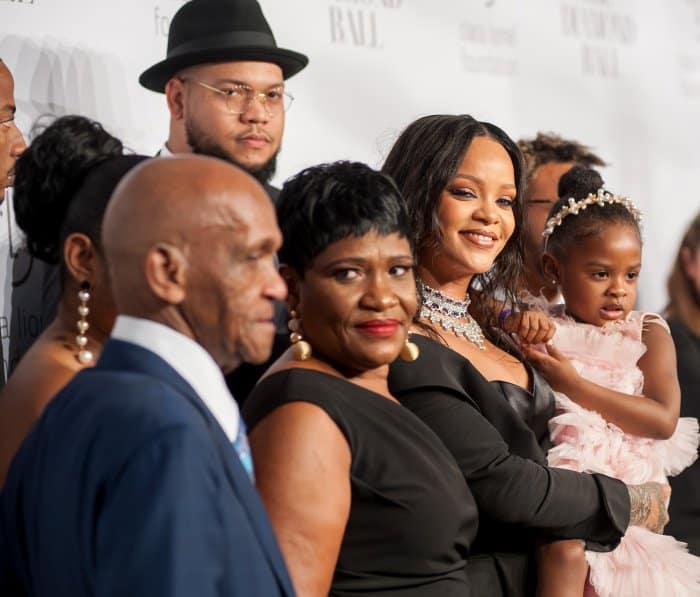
573, 207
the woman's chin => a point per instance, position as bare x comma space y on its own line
368, 360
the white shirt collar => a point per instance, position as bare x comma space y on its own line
190, 360
165, 151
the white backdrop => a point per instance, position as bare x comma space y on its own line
620, 75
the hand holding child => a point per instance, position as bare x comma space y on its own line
554, 367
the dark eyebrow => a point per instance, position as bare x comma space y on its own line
607, 265
244, 84
469, 177
362, 260
478, 180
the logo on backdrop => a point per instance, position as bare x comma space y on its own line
488, 45
358, 23
162, 15
20, 1
689, 56
603, 31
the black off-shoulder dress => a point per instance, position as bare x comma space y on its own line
502, 460
684, 509
412, 517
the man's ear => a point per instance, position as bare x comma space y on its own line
291, 278
174, 95
166, 272
551, 268
82, 260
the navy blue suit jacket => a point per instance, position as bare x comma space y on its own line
128, 486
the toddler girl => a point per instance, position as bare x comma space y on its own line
614, 371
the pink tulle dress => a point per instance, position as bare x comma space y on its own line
645, 564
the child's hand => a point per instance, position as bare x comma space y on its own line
532, 327
554, 367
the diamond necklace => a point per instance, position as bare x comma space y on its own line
452, 314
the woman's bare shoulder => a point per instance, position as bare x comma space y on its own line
46, 368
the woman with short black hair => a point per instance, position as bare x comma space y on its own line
363, 497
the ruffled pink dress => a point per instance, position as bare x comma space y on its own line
645, 564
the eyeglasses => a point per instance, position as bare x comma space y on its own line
239, 97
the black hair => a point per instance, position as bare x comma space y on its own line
63, 182
578, 183
423, 162
546, 148
329, 202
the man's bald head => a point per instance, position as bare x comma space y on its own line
186, 238
179, 193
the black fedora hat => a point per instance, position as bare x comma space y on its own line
204, 31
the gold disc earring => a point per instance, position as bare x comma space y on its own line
301, 349
410, 351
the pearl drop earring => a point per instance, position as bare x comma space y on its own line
85, 356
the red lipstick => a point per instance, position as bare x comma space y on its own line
380, 328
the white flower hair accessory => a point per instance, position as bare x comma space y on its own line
573, 207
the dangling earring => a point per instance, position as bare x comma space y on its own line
301, 349
85, 356
410, 351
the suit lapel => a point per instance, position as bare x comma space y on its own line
119, 355
248, 496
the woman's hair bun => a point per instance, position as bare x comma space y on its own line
579, 182
49, 173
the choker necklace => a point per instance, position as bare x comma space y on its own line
452, 314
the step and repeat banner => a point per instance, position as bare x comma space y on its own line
622, 76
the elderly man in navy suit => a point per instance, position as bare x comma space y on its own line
134, 480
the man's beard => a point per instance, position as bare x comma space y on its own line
202, 145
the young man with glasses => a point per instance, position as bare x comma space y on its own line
224, 81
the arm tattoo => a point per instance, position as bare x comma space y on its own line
640, 504
647, 506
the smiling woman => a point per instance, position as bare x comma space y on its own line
462, 182
363, 497
465, 205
